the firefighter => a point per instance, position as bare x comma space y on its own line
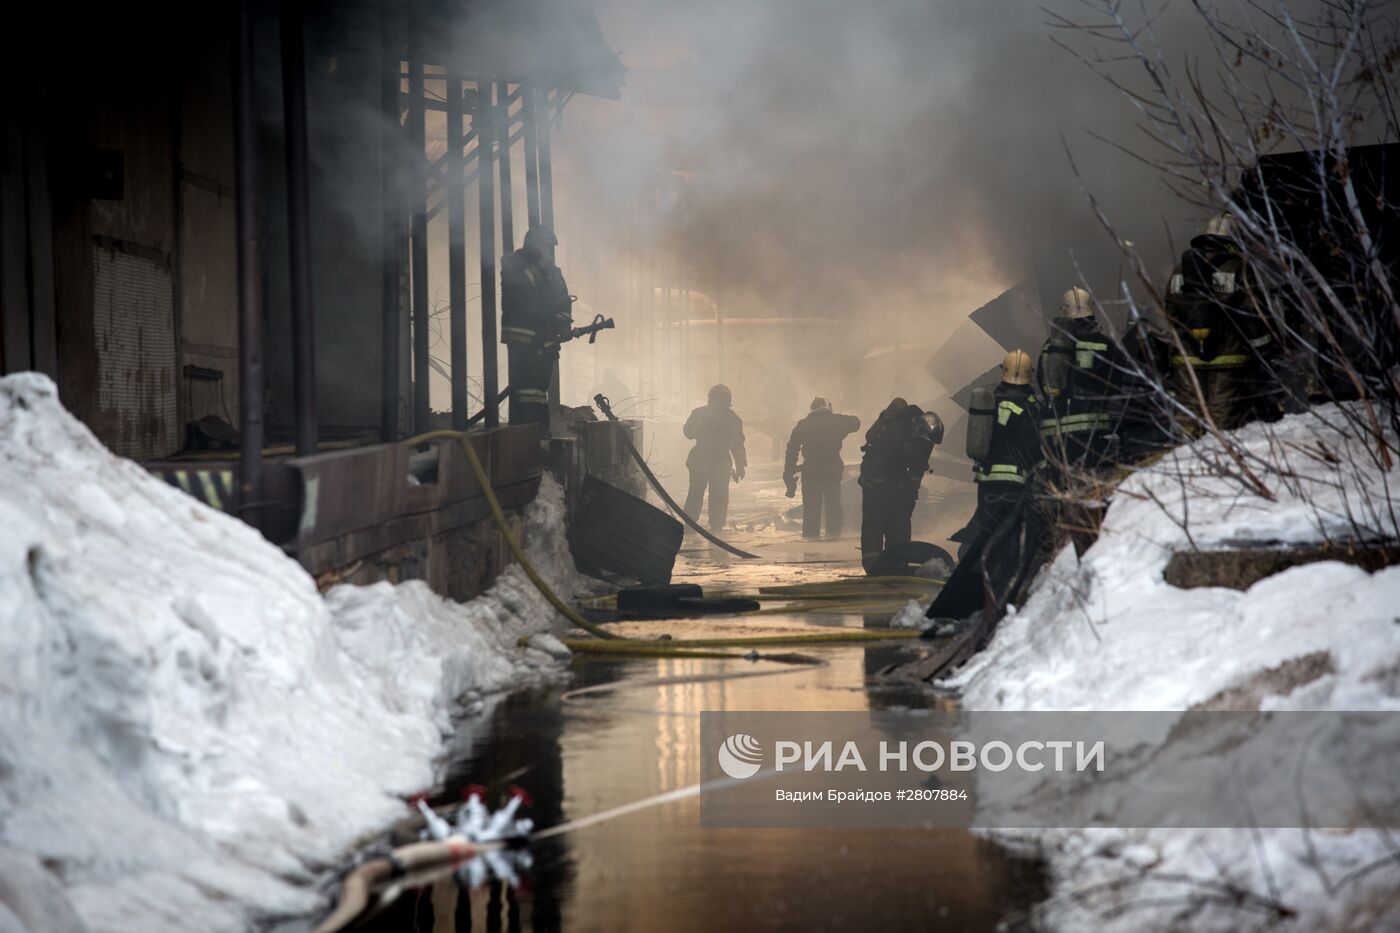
536, 317
1006, 462
895, 458
1005, 539
1210, 306
718, 455
818, 439
1145, 424
1079, 374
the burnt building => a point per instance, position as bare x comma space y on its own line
213, 236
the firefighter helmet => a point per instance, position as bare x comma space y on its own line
720, 395
538, 236
1077, 303
820, 404
1016, 368
935, 425
1221, 225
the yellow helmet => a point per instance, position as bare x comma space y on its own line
1016, 368
1221, 225
1077, 303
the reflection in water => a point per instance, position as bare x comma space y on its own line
658, 868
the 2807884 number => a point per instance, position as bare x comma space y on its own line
936, 793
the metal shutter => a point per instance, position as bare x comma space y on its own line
134, 327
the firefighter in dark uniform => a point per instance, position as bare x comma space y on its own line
1005, 539
1210, 306
536, 317
896, 454
1079, 372
818, 439
1014, 452
717, 456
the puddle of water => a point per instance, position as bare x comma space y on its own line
658, 868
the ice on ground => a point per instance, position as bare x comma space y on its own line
1106, 632
911, 616
188, 729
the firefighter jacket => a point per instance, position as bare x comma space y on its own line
1210, 306
718, 434
818, 438
1093, 371
896, 452
536, 309
1015, 450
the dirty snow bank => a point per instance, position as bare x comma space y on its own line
1108, 633
189, 732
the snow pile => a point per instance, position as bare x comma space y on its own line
1108, 633
187, 728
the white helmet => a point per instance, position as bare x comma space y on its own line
1016, 368
1077, 303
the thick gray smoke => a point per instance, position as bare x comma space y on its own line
871, 158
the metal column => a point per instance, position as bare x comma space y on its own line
546, 168
417, 171
503, 120
299, 225
456, 250
391, 226
486, 210
532, 175
250, 333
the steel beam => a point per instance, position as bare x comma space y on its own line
486, 217
456, 252
418, 224
250, 331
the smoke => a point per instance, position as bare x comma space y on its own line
868, 159
869, 172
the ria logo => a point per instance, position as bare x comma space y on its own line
740, 756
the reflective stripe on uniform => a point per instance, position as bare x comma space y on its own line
1223, 283
1086, 421
517, 334
1258, 342
1225, 361
1084, 351
1001, 473
529, 395
1006, 409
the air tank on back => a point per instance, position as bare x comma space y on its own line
981, 419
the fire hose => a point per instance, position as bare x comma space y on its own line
453, 851
635, 646
449, 853
602, 402
425, 862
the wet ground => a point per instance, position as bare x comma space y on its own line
658, 869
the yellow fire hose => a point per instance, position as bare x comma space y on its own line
683, 648
408, 860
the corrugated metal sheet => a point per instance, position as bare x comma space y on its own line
134, 327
